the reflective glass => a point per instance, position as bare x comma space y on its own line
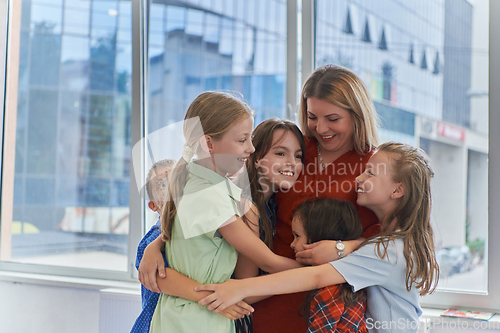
3, 53
125, 21
46, 16
72, 163
77, 17
217, 46
425, 64
75, 56
104, 16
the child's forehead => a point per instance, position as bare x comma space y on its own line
161, 171
159, 177
380, 157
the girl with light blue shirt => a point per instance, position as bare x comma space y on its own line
395, 266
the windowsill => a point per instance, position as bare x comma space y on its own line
434, 321
110, 286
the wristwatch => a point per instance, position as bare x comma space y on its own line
340, 249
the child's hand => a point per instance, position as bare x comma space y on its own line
317, 253
152, 262
237, 311
224, 295
324, 251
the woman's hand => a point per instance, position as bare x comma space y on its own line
324, 251
152, 262
237, 311
224, 295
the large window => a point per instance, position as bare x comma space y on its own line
72, 138
73, 112
426, 66
196, 46
427, 71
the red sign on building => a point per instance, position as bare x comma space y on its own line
450, 132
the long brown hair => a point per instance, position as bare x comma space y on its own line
410, 166
330, 219
217, 113
343, 88
262, 140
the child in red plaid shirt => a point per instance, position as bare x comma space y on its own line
334, 308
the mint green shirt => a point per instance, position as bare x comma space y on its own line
197, 251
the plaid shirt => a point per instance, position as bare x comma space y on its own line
328, 313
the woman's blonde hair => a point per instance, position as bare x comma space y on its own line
410, 166
343, 88
217, 112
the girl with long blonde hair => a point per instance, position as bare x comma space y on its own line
202, 219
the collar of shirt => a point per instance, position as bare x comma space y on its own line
214, 178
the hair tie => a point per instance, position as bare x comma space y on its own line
187, 153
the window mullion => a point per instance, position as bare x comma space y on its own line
139, 54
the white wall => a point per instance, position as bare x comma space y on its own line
37, 308
449, 193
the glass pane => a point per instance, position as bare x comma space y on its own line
72, 165
3, 53
220, 45
426, 66
77, 17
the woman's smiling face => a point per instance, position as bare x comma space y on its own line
282, 165
331, 125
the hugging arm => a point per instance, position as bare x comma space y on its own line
245, 267
325, 251
291, 281
247, 243
177, 284
152, 263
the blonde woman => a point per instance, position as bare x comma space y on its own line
339, 123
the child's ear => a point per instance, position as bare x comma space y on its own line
152, 206
398, 192
206, 143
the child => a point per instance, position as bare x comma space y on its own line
156, 188
395, 266
275, 164
334, 308
200, 220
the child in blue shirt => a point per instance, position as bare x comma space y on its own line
156, 188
